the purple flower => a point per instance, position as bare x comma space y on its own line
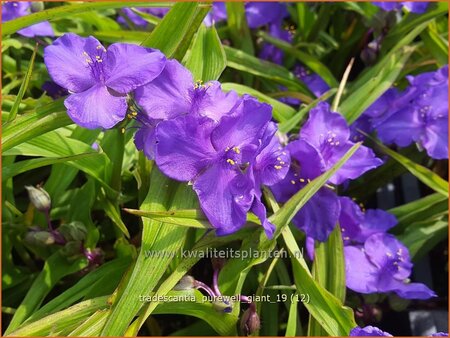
386, 105
358, 225
217, 158
174, 93
262, 13
99, 79
382, 264
369, 331
257, 13
269, 51
329, 133
217, 13
138, 20
270, 166
422, 115
412, 6
440, 334
13, 10
323, 141
318, 217
313, 81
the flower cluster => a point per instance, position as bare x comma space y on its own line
224, 145
420, 112
324, 139
376, 262
15, 9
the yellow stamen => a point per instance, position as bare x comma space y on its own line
231, 161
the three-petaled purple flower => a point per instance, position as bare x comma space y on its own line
15, 9
219, 159
99, 79
382, 264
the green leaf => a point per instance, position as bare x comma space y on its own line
411, 23
113, 213
92, 326
366, 94
23, 87
288, 125
436, 44
193, 218
423, 209
30, 125
329, 271
156, 236
83, 287
291, 326
9, 171
55, 268
176, 30
223, 323
311, 62
240, 60
335, 318
67, 11
55, 144
67, 319
422, 173
281, 111
238, 27
421, 237
206, 58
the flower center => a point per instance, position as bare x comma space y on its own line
95, 62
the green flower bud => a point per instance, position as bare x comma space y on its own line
39, 197
40, 238
185, 283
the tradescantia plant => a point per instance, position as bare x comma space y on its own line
165, 164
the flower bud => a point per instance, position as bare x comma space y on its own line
39, 197
250, 322
185, 283
41, 238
